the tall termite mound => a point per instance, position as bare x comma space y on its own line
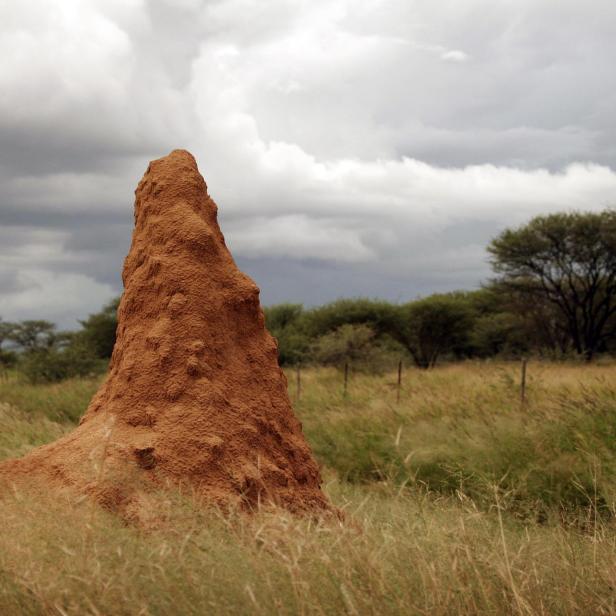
194, 394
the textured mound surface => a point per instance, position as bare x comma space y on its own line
194, 393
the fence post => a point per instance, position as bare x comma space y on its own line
523, 381
298, 381
346, 377
399, 382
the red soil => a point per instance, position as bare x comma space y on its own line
194, 394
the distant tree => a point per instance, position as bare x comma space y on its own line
537, 324
284, 323
7, 357
279, 316
382, 316
435, 326
353, 343
46, 354
6, 329
34, 334
509, 324
500, 333
566, 262
98, 331
357, 344
46, 365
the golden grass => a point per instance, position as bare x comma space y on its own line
406, 554
510, 522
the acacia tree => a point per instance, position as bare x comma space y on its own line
283, 321
6, 329
567, 261
34, 334
7, 358
435, 326
99, 330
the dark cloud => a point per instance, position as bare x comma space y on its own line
354, 148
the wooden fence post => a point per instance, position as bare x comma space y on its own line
298, 381
523, 381
346, 377
399, 382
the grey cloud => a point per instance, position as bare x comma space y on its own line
9, 282
521, 147
349, 153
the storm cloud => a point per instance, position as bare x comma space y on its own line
355, 148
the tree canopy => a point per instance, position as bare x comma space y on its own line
569, 262
99, 329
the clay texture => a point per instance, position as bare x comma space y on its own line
194, 395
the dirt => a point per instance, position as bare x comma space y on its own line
194, 395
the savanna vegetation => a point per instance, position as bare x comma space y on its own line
459, 499
553, 296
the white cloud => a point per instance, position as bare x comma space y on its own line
455, 55
67, 49
400, 201
373, 136
299, 237
54, 296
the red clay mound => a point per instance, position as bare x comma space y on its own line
194, 393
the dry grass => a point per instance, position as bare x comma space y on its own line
463, 428
497, 540
406, 554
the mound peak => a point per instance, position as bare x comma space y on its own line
194, 394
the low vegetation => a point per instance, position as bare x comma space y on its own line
459, 499
554, 296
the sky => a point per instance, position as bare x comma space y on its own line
365, 148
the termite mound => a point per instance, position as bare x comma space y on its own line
194, 394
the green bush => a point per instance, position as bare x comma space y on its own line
498, 334
437, 325
52, 365
381, 316
98, 331
8, 359
284, 323
357, 345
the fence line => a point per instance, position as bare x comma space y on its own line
523, 382
347, 366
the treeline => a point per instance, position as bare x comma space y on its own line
374, 334
43, 354
553, 294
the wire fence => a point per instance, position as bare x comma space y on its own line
346, 371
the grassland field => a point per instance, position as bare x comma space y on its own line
459, 499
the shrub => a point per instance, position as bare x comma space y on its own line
99, 330
498, 334
358, 345
436, 326
284, 323
381, 316
52, 365
8, 359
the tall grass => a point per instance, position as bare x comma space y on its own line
20, 431
404, 555
61, 402
459, 500
463, 429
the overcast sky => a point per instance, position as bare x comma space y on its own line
355, 148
